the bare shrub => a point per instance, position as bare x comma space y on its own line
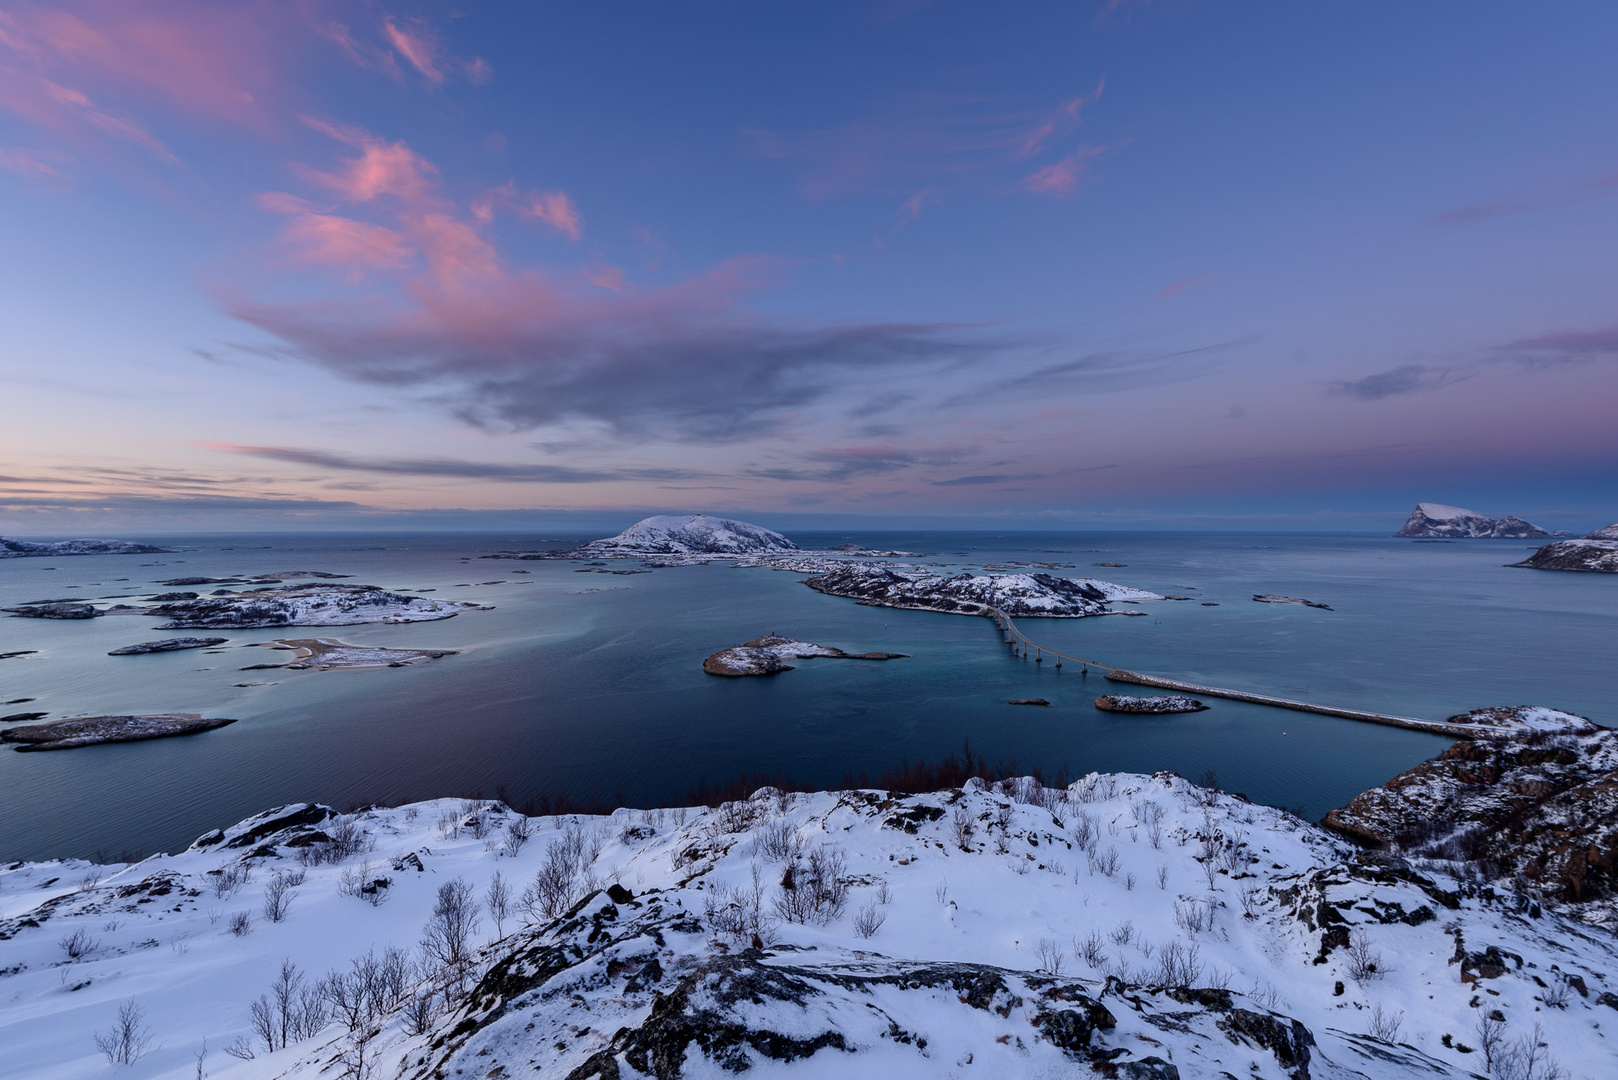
1092, 950
941, 890
1162, 877
241, 1048
447, 938
1527, 1058
814, 889
1251, 897
1385, 1025
884, 895
779, 841
126, 1041
1123, 933
556, 886
1364, 959
1085, 833
278, 898
230, 877
291, 1012
732, 817
79, 944
241, 924
518, 833
1178, 965
1051, 956
961, 829
1106, 862
739, 912
344, 837
498, 901
869, 919
419, 1012
1193, 916
1556, 991
371, 988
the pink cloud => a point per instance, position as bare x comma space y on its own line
1183, 285
911, 208
27, 163
417, 43
323, 239
1063, 120
555, 209
606, 277
1062, 178
382, 168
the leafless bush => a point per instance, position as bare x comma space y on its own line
362, 882
1233, 857
498, 901
884, 895
1027, 790
1052, 957
960, 828
1265, 995
1252, 897
1556, 991
869, 919
372, 987
278, 898
291, 1012
1123, 933
241, 1048
79, 944
732, 817
419, 1012
1178, 965
230, 877
1527, 1058
815, 889
1364, 959
1162, 877
941, 890
1385, 1025
344, 837
1092, 950
1129, 882
518, 833
1085, 833
1106, 862
447, 938
126, 1041
1193, 916
555, 887
779, 841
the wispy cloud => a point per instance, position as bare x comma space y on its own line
449, 467
1407, 379
27, 163
1567, 345
1061, 178
1101, 372
986, 479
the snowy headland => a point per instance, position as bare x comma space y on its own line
1126, 925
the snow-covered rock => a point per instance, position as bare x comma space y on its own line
1591, 556
1452, 522
691, 534
1129, 926
173, 644
307, 605
94, 730
768, 655
1610, 532
1017, 595
20, 549
1520, 721
1155, 703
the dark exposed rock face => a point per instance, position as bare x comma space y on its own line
54, 610
1124, 703
1590, 556
91, 730
1544, 810
1451, 522
168, 645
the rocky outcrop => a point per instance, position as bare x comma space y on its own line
172, 644
91, 730
1017, 595
1275, 598
768, 655
1610, 532
1124, 703
1452, 522
22, 549
1543, 811
329, 654
1590, 556
54, 609
308, 605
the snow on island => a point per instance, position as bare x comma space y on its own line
1452, 522
93, 730
1017, 595
1590, 556
329, 654
173, 644
306, 605
1127, 925
25, 549
768, 655
1150, 704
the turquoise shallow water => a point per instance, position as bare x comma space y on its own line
591, 684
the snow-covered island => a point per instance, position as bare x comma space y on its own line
24, 549
1126, 925
94, 730
679, 540
329, 654
1149, 705
1595, 553
305, 605
1017, 595
1452, 522
769, 654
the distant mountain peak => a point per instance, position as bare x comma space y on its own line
691, 534
1452, 522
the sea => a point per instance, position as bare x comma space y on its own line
589, 685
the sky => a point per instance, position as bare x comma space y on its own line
1124, 263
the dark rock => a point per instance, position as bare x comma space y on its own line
1071, 1029
1146, 1068
168, 645
1287, 1039
172, 596
280, 820
1589, 556
1029, 701
93, 730
911, 818
54, 611
618, 894
24, 716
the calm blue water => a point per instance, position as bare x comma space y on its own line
591, 684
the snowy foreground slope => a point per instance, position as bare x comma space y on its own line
1127, 926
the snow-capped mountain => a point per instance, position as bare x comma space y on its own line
690, 534
22, 549
1127, 925
1452, 522
1018, 595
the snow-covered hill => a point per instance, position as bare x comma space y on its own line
1609, 532
307, 605
1018, 595
1592, 556
20, 549
1128, 926
1438, 520
692, 534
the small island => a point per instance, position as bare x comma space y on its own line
93, 730
26, 549
1594, 553
329, 654
768, 655
1018, 595
172, 644
1124, 703
1274, 598
306, 605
